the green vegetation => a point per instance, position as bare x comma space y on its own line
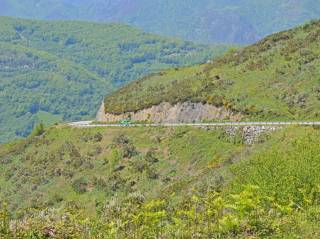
156, 182
160, 183
63, 69
232, 21
37, 131
274, 79
66, 163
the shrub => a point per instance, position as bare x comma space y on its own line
121, 140
97, 137
128, 150
37, 131
151, 157
80, 185
152, 173
116, 182
138, 164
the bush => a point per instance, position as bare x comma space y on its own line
151, 157
128, 150
97, 137
138, 165
152, 173
80, 185
37, 131
121, 140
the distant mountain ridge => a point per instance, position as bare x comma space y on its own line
207, 21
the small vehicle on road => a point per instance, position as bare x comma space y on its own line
126, 122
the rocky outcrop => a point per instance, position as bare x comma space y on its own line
250, 134
186, 112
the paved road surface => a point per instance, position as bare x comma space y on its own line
90, 124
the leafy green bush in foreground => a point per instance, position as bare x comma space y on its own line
206, 215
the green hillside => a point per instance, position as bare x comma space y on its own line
182, 182
160, 183
34, 81
46, 171
65, 68
276, 78
231, 21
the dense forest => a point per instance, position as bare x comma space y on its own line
53, 71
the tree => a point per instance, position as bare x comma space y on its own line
38, 130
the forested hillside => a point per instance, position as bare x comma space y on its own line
232, 21
51, 71
274, 79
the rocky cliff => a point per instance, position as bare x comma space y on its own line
186, 112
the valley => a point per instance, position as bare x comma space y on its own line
110, 132
63, 69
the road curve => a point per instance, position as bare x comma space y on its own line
90, 124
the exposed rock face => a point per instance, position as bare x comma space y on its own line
250, 134
186, 112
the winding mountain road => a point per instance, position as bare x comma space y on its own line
91, 124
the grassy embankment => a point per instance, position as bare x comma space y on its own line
274, 79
